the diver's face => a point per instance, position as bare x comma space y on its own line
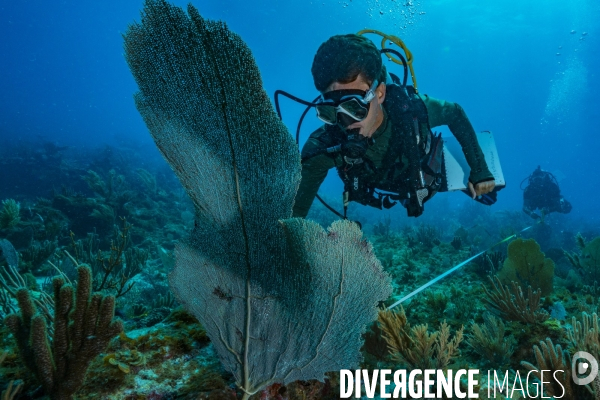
374, 118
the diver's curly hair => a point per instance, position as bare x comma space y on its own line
343, 57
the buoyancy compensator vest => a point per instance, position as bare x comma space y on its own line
411, 169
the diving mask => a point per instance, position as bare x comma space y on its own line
346, 106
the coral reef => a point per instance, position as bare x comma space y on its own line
106, 189
148, 179
85, 213
123, 211
168, 354
50, 212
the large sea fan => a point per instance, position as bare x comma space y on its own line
281, 299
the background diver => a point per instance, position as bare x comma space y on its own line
377, 133
542, 193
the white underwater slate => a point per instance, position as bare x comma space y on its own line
457, 169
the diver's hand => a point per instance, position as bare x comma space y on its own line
481, 188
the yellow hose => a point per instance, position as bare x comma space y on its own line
396, 40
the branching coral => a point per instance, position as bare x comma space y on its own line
493, 260
148, 179
415, 345
426, 235
457, 243
512, 305
97, 184
12, 390
164, 301
107, 189
11, 281
588, 259
83, 325
382, 228
135, 259
111, 270
137, 311
6, 303
9, 214
375, 344
585, 335
437, 301
104, 212
556, 362
37, 254
463, 306
488, 341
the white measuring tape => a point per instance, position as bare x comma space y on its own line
451, 270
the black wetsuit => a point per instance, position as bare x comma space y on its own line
439, 112
543, 193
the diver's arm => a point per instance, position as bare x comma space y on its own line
314, 171
560, 206
565, 206
442, 112
530, 212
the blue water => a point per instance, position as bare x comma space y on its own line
63, 77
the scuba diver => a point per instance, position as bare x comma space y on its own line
377, 132
542, 192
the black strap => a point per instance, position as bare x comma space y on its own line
331, 208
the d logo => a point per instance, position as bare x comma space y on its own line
583, 368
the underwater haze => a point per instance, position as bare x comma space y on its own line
515, 67
86, 183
